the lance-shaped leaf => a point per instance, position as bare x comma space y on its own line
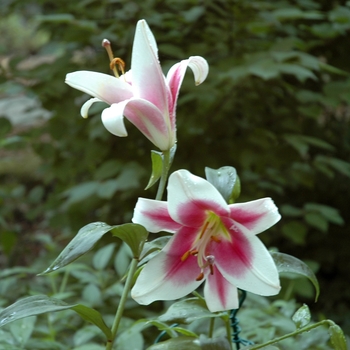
83, 242
157, 167
337, 337
302, 316
41, 304
290, 264
226, 181
134, 235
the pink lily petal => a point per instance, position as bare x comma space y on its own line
257, 216
105, 87
154, 216
189, 197
148, 79
86, 106
220, 294
177, 72
246, 263
113, 120
165, 277
150, 121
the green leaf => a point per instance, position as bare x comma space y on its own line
302, 316
153, 246
22, 329
83, 242
337, 337
188, 343
102, 256
41, 304
295, 230
134, 235
317, 220
226, 181
157, 167
92, 316
187, 311
290, 264
330, 213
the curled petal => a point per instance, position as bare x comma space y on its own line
112, 119
150, 121
177, 72
165, 277
189, 197
257, 216
105, 87
86, 106
148, 79
154, 216
220, 294
246, 263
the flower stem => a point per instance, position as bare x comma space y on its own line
298, 331
120, 310
164, 176
211, 327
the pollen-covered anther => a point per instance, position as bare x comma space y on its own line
188, 253
200, 276
117, 63
215, 239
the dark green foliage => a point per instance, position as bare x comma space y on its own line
275, 106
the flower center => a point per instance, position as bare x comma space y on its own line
115, 62
212, 231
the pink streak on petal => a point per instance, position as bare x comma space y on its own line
150, 121
154, 216
232, 257
194, 213
248, 219
181, 242
220, 294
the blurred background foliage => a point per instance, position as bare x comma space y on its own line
275, 106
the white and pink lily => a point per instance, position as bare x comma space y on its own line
143, 95
212, 242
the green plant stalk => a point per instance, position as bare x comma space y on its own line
164, 176
298, 331
135, 260
211, 327
124, 297
228, 330
64, 280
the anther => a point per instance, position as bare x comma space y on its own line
215, 239
204, 229
185, 256
200, 276
117, 62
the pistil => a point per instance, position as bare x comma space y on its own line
115, 62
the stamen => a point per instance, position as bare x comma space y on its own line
107, 45
186, 255
200, 276
204, 229
194, 252
215, 239
117, 62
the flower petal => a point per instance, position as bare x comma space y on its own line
220, 294
177, 72
165, 277
257, 216
190, 197
154, 216
86, 106
246, 263
150, 121
147, 77
113, 120
105, 87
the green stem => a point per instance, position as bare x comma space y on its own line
228, 331
164, 176
124, 297
298, 331
64, 280
211, 327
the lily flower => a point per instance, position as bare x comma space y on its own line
143, 95
213, 242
